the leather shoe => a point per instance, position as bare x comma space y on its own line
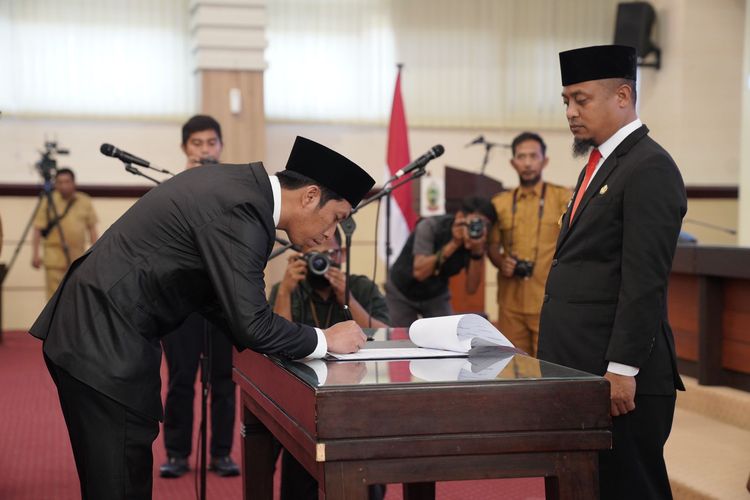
174, 467
224, 466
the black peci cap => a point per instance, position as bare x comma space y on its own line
330, 169
597, 63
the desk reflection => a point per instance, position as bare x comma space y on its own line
503, 366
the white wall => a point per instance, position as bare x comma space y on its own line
692, 106
158, 142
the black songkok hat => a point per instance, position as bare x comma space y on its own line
330, 169
597, 63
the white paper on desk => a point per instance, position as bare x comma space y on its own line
448, 370
457, 333
396, 353
441, 337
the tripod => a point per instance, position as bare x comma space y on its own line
46, 165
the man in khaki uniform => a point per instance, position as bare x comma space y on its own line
77, 220
522, 241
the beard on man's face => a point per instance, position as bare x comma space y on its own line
581, 147
532, 181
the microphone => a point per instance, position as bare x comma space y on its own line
420, 162
478, 140
699, 222
208, 160
110, 150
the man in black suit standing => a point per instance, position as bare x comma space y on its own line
197, 243
605, 306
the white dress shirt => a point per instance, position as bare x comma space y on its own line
322, 347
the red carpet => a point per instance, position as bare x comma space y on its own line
36, 462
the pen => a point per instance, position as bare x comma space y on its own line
347, 313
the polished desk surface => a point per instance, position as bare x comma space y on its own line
416, 421
485, 365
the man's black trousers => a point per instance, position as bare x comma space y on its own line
635, 467
111, 443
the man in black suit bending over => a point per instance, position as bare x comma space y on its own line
197, 243
605, 306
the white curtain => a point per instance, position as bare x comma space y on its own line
329, 60
468, 63
95, 57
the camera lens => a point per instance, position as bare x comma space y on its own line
318, 263
476, 228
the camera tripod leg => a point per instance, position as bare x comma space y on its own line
58, 226
22, 239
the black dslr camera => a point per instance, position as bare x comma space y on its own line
523, 269
317, 262
476, 228
47, 165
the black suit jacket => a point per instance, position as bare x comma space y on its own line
606, 294
197, 243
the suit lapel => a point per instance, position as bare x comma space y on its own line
598, 181
565, 221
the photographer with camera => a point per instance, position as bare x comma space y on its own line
523, 240
312, 293
67, 225
312, 290
438, 248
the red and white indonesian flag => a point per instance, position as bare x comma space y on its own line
403, 216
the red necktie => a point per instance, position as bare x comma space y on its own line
594, 158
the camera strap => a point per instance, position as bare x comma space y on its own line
53, 222
514, 209
315, 313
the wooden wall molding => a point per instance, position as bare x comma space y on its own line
95, 191
135, 191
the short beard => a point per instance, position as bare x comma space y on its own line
530, 182
581, 147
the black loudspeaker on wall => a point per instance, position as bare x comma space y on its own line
633, 28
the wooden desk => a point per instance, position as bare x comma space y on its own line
420, 421
709, 310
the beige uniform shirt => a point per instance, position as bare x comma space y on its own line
527, 237
75, 226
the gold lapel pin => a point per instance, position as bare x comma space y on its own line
603, 189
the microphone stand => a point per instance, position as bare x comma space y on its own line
161, 170
205, 363
285, 245
710, 226
348, 225
388, 249
487, 147
133, 170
